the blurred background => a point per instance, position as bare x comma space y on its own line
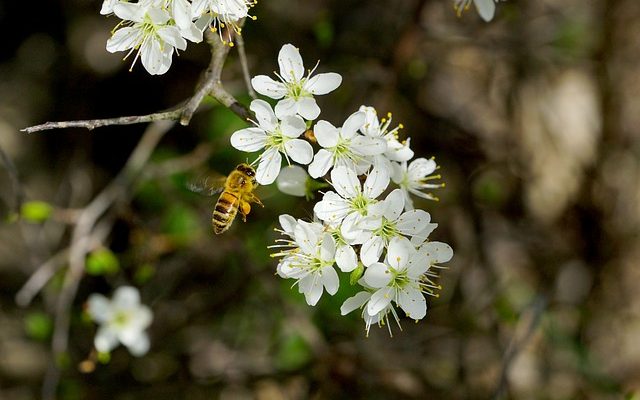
533, 117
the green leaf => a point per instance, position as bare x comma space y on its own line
36, 211
102, 262
38, 326
356, 274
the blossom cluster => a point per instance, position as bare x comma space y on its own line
366, 225
155, 29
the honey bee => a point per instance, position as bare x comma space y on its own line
237, 195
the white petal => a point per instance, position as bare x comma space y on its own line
398, 252
172, 36
380, 300
346, 258
486, 9
152, 57
181, 10
248, 139
413, 303
437, 252
353, 124
355, 302
139, 346
268, 87
192, 33
288, 223
269, 167
322, 162
323, 83
106, 339
267, 119
350, 228
123, 39
330, 280
308, 108
126, 298
158, 16
377, 275
129, 11
332, 208
326, 134
423, 235
290, 61
313, 293
99, 308
345, 182
107, 6
293, 126
421, 167
371, 250
286, 107
394, 205
328, 248
299, 150
377, 182
368, 146
413, 222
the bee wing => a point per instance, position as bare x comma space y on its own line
207, 184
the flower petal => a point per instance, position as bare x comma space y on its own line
413, 303
346, 258
123, 39
421, 167
322, 162
139, 346
486, 9
328, 248
326, 134
105, 340
398, 252
332, 208
323, 83
413, 222
308, 108
299, 150
267, 119
125, 298
290, 62
345, 182
99, 308
314, 290
286, 107
330, 280
377, 182
394, 205
368, 146
355, 302
371, 250
269, 167
437, 252
249, 139
380, 300
172, 36
268, 87
377, 275
292, 126
353, 124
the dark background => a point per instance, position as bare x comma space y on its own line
533, 117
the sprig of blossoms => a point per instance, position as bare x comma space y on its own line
155, 29
365, 225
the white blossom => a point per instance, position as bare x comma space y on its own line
344, 146
146, 32
296, 89
308, 257
122, 320
395, 150
379, 231
352, 202
360, 300
221, 14
416, 177
398, 279
275, 136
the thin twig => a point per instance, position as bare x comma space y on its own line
81, 241
245, 66
12, 171
40, 277
212, 85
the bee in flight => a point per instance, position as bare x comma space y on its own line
237, 195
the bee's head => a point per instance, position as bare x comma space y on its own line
246, 169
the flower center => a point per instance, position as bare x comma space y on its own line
361, 203
295, 90
121, 318
387, 230
276, 140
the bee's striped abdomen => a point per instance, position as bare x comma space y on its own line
224, 212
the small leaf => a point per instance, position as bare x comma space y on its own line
356, 274
102, 262
36, 211
104, 358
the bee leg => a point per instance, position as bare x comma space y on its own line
256, 200
245, 209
